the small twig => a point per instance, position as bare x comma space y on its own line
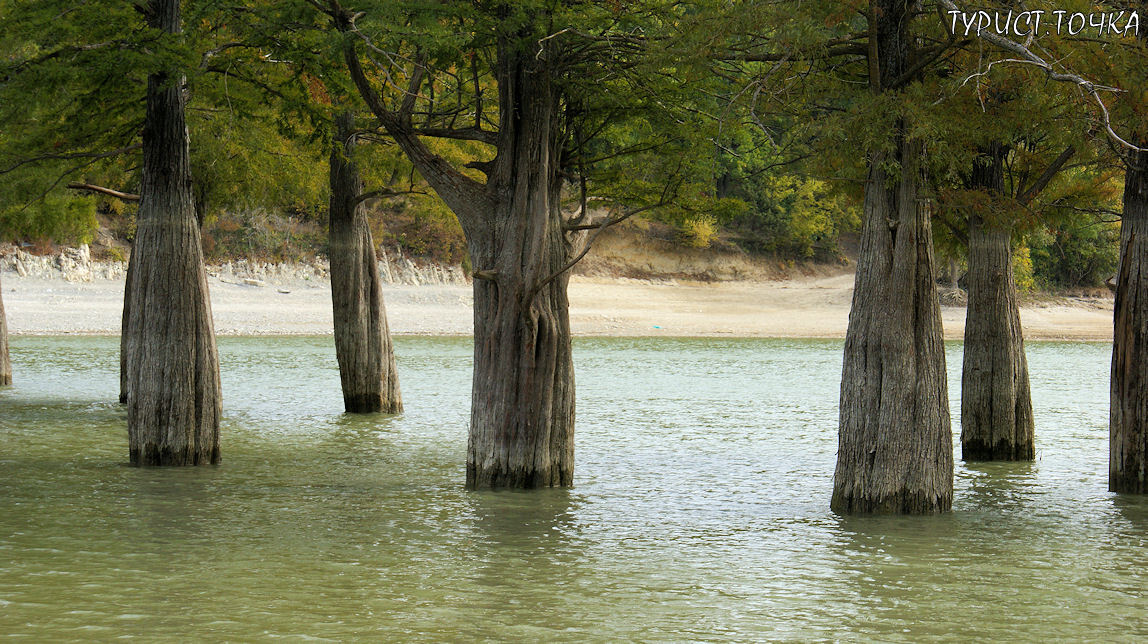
72, 155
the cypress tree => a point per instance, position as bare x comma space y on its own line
894, 439
174, 401
362, 338
535, 92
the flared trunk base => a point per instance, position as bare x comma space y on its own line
521, 479
900, 503
1002, 451
157, 456
895, 453
371, 404
363, 347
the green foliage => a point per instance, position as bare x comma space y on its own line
795, 216
244, 163
71, 98
1023, 271
699, 232
1078, 253
750, 121
60, 218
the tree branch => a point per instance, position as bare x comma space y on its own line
461, 193
601, 226
72, 155
124, 196
1049, 172
1028, 57
461, 134
384, 193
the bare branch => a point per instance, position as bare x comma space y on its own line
412, 93
384, 194
1031, 58
613, 221
461, 193
667, 193
124, 196
1049, 172
462, 134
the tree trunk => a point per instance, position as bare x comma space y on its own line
362, 340
1128, 413
895, 452
996, 408
5, 360
125, 337
522, 407
954, 273
522, 412
173, 367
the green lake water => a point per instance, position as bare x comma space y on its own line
700, 512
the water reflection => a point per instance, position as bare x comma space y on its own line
998, 487
1133, 509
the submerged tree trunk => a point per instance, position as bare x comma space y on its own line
1128, 412
522, 405
125, 337
996, 408
362, 340
173, 366
522, 411
895, 443
895, 451
5, 361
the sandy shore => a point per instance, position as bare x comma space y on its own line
811, 308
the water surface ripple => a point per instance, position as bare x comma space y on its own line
704, 470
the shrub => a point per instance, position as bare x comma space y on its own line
698, 231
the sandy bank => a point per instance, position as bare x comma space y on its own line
801, 308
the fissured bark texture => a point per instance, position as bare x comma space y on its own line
1128, 412
172, 366
5, 360
362, 339
894, 451
522, 411
996, 408
125, 337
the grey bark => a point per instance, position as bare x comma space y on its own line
522, 409
1128, 412
522, 398
895, 450
125, 337
5, 359
362, 339
996, 407
173, 366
